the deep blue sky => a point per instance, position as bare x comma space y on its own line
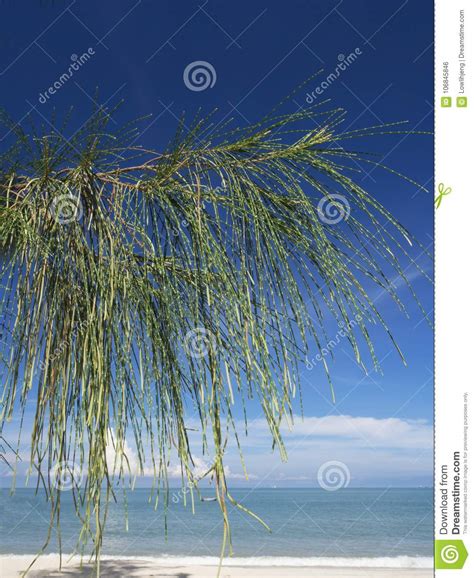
261, 51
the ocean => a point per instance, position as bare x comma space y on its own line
351, 526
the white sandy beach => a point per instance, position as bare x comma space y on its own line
12, 566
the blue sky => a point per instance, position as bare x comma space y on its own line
260, 52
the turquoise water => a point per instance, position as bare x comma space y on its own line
306, 524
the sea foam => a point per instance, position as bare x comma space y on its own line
262, 561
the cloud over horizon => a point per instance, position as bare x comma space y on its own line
376, 451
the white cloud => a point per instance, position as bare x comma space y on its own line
366, 431
199, 469
375, 450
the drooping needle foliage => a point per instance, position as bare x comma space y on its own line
139, 288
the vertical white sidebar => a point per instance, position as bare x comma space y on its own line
454, 288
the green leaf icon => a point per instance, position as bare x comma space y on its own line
450, 554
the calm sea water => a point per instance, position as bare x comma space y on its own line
306, 524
